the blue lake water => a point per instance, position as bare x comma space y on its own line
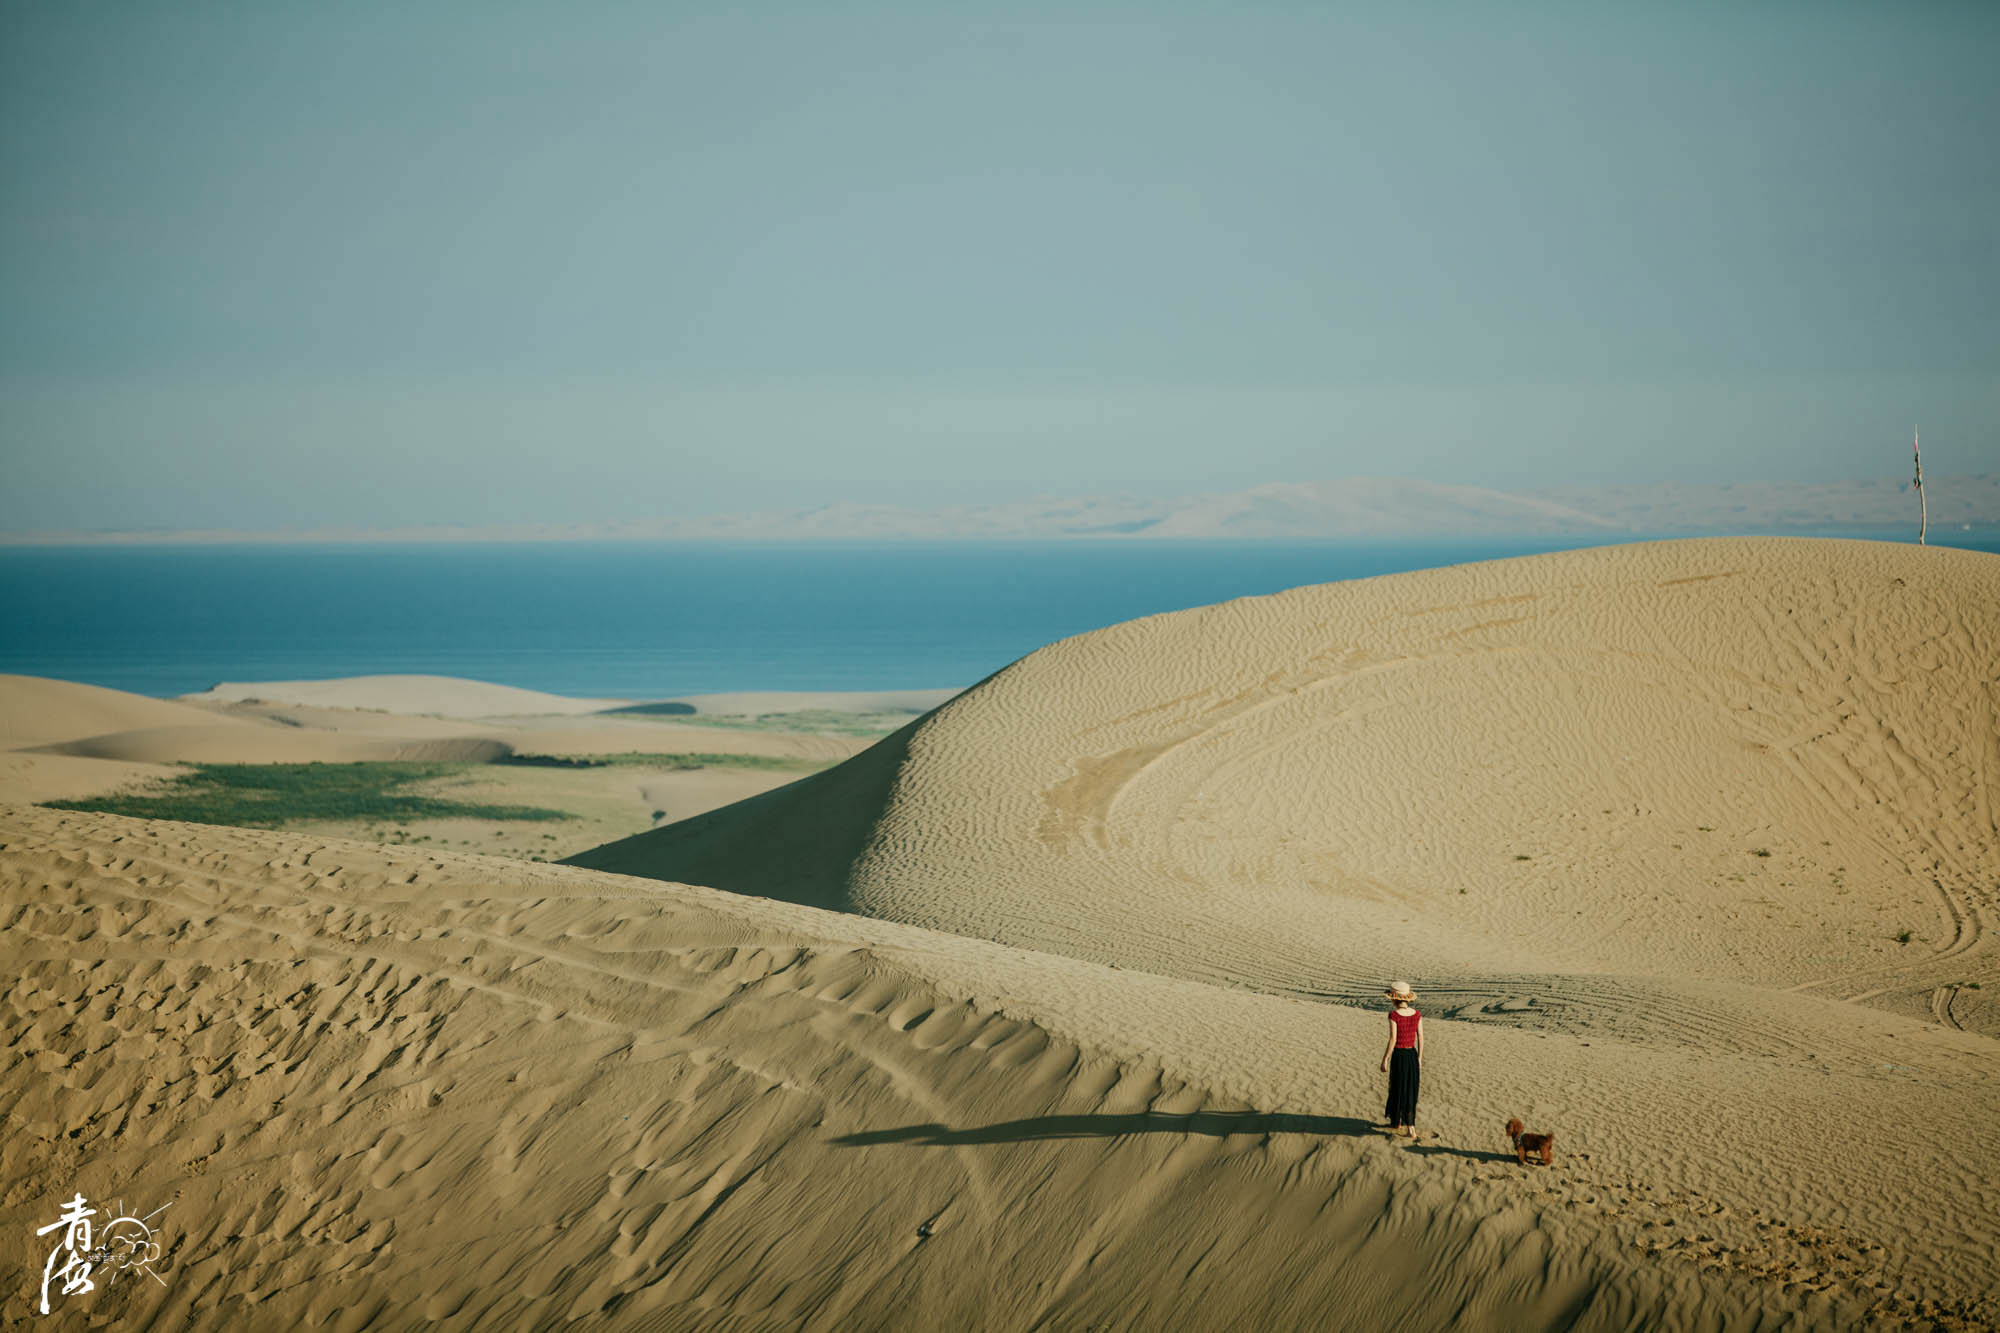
629, 620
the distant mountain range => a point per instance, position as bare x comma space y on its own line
1400, 507
1359, 507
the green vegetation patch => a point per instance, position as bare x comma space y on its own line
767, 762
271, 795
677, 760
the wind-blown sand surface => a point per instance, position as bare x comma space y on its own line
35, 711
1106, 1070
1567, 780
380, 1086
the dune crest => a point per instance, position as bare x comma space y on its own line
1569, 779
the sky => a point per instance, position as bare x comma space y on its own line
278, 265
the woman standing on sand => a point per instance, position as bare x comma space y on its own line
1401, 1058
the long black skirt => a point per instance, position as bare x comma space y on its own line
1402, 1106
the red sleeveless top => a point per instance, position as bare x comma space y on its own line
1406, 1029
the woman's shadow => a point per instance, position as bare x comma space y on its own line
1214, 1124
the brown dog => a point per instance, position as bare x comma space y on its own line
1531, 1145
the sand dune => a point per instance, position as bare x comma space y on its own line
352, 721
59, 717
36, 711
26, 777
60, 741
1769, 762
381, 1086
453, 697
222, 742
552, 734
49, 727
442, 696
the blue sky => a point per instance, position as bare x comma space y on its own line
277, 265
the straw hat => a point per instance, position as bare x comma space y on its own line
1400, 990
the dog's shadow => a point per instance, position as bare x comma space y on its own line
1470, 1154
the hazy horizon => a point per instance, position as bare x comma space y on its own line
274, 268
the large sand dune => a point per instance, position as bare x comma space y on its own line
381, 1086
1572, 788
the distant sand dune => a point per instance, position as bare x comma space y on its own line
74, 742
567, 733
223, 742
1764, 761
454, 697
58, 717
382, 1086
442, 696
60, 740
37, 711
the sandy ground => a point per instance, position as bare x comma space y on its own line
384, 1085
1569, 779
601, 803
1089, 1042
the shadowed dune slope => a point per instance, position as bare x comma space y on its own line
382, 1086
797, 843
1773, 762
